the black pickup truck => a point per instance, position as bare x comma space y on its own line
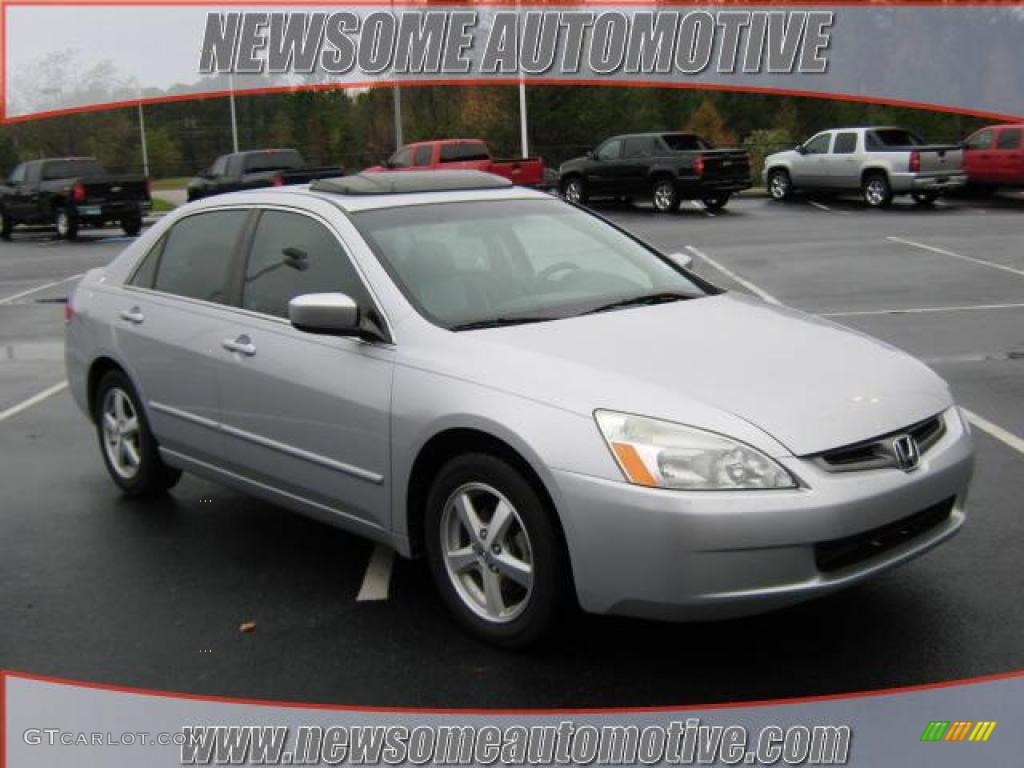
254, 169
71, 192
665, 168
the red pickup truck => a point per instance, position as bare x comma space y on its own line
463, 154
994, 157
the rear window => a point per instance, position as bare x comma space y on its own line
1009, 138
684, 142
196, 255
892, 137
465, 151
69, 169
283, 160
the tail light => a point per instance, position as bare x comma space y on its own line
915, 162
278, 181
78, 192
69, 311
698, 165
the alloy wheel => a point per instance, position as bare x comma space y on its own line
664, 195
574, 191
121, 433
487, 552
875, 192
63, 224
778, 187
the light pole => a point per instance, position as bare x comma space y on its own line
523, 138
142, 138
396, 94
234, 116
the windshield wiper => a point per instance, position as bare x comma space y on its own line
648, 299
498, 322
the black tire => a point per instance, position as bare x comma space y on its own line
538, 611
67, 224
875, 190
132, 225
151, 476
574, 189
779, 184
925, 198
716, 203
665, 195
6, 225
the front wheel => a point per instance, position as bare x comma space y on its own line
925, 198
128, 447
574, 190
876, 190
780, 186
66, 223
132, 225
494, 550
665, 196
716, 203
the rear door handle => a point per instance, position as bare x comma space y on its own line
133, 315
242, 345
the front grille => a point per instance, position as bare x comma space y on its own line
878, 452
841, 553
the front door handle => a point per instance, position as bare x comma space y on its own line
242, 345
133, 315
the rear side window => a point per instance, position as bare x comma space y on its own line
846, 144
463, 152
145, 273
196, 255
291, 255
1009, 138
892, 137
684, 142
273, 160
638, 146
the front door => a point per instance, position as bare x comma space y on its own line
980, 157
807, 169
307, 414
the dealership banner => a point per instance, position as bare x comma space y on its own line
961, 57
56, 723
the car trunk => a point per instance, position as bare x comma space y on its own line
938, 159
726, 164
113, 189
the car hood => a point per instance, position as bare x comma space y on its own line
810, 384
788, 154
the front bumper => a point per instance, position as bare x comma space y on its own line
910, 182
676, 555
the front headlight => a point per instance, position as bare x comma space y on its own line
662, 454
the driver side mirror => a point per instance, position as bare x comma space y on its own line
800, 149
333, 314
682, 260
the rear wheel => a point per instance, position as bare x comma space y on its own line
132, 225
665, 196
494, 551
925, 198
876, 190
66, 223
716, 203
6, 225
126, 443
574, 189
780, 187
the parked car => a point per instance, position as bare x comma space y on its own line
69, 193
463, 155
880, 162
544, 405
665, 168
255, 169
994, 157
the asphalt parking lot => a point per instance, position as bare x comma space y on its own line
98, 588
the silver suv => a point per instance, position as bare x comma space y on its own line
545, 406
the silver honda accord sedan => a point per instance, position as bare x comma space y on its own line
545, 406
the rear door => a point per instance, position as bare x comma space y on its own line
170, 319
1009, 155
637, 152
306, 414
980, 157
842, 170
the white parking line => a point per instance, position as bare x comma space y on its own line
732, 275
819, 206
955, 255
918, 310
34, 400
377, 578
702, 209
995, 431
30, 291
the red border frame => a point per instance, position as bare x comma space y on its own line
4, 120
513, 711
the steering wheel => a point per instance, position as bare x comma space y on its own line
560, 266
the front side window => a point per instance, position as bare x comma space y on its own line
846, 144
291, 255
422, 156
402, 158
220, 166
18, 174
1009, 138
610, 150
197, 253
473, 262
819, 144
981, 140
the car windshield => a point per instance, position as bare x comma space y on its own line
502, 262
